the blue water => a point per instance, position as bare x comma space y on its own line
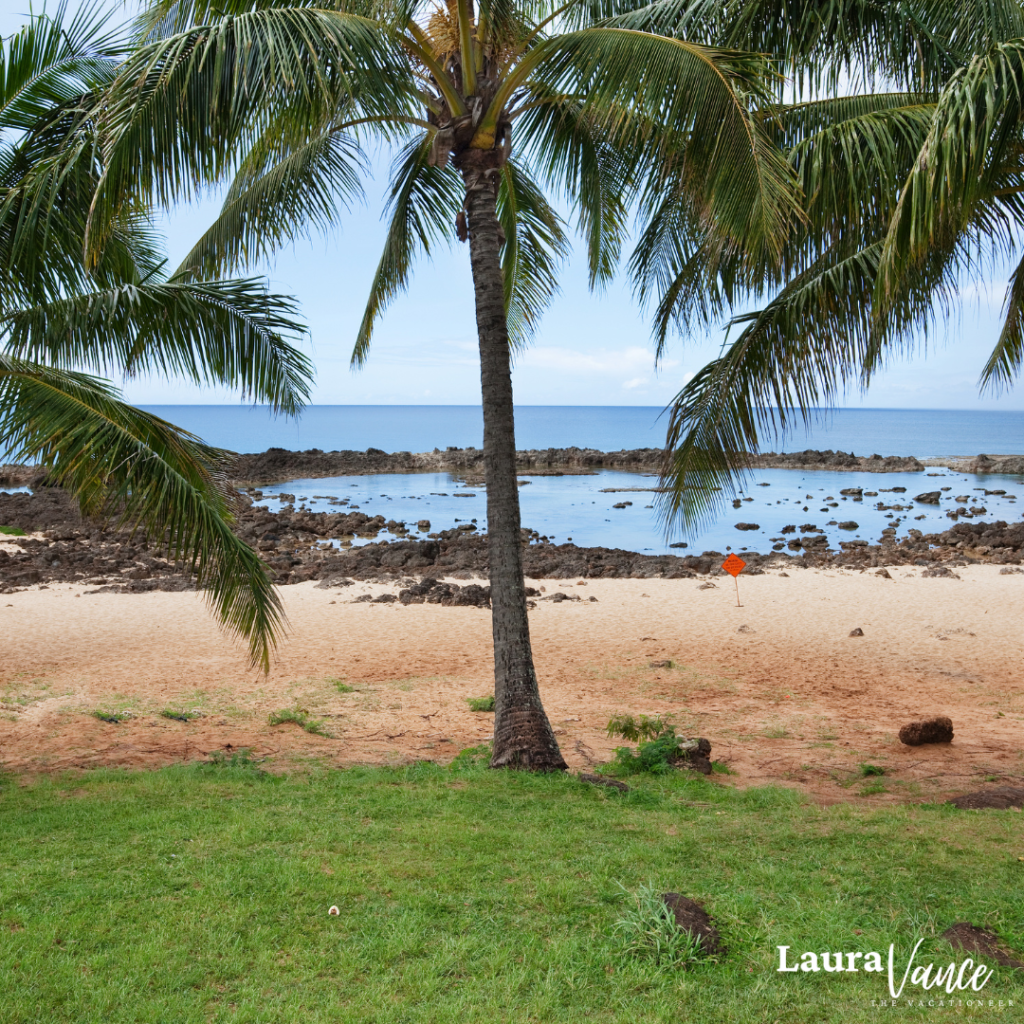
580, 508
924, 433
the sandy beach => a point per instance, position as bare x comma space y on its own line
779, 686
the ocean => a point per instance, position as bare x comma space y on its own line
582, 508
924, 433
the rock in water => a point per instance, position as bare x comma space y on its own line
693, 918
931, 730
929, 497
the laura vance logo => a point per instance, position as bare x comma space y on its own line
952, 978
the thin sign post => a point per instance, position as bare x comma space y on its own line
734, 565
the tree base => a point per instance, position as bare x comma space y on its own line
526, 743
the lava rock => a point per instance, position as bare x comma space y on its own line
999, 798
929, 497
695, 754
930, 730
748, 526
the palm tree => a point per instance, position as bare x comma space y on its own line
122, 316
496, 109
911, 192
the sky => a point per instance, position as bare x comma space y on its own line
589, 350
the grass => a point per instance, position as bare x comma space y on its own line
341, 686
197, 894
12, 531
301, 718
481, 703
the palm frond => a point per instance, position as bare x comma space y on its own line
682, 110
133, 469
791, 362
976, 132
53, 60
569, 150
423, 204
275, 199
229, 332
535, 245
183, 108
1004, 364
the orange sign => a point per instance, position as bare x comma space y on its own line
734, 565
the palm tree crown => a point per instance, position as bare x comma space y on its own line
500, 113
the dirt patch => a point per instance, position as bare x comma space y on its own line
972, 939
1001, 798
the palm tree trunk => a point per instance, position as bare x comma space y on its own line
522, 732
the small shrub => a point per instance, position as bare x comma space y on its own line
300, 717
112, 717
721, 768
472, 757
648, 930
11, 531
341, 686
180, 716
481, 703
644, 727
657, 756
871, 769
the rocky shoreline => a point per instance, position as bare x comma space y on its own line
277, 465
63, 548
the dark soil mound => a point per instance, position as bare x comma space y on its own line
1000, 798
692, 917
971, 939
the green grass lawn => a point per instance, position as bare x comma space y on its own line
201, 894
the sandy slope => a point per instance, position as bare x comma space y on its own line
792, 697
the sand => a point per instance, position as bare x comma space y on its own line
778, 685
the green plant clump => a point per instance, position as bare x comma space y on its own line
657, 757
642, 727
241, 758
341, 686
871, 769
112, 717
301, 718
648, 930
12, 531
481, 703
180, 716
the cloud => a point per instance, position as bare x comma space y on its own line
613, 362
